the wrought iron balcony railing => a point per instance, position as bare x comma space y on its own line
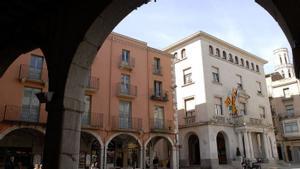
127, 64
159, 95
126, 90
92, 120
93, 83
28, 73
26, 113
157, 70
161, 125
190, 120
126, 123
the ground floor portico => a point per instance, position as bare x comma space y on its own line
289, 150
128, 150
209, 146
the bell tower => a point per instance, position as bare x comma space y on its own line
283, 64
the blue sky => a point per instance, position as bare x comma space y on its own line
242, 23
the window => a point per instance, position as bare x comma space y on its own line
247, 64
224, 55
125, 84
257, 68
125, 56
156, 66
215, 73
183, 54
285, 59
280, 59
157, 88
189, 105
239, 81
218, 52
286, 92
282, 73
230, 57
211, 50
252, 66
30, 105
125, 114
187, 76
242, 62
236, 60
289, 110
243, 110
259, 91
262, 112
86, 116
35, 68
218, 106
290, 127
159, 117
289, 72
176, 55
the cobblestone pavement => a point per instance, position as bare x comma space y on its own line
281, 165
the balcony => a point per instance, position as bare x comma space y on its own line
25, 114
247, 121
156, 70
126, 124
162, 125
189, 120
126, 90
92, 84
159, 95
127, 64
92, 120
27, 73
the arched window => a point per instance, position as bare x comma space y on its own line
280, 59
183, 54
230, 57
211, 50
236, 60
252, 66
175, 55
285, 59
247, 64
242, 62
218, 52
257, 68
224, 55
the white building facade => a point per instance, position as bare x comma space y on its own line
284, 94
208, 71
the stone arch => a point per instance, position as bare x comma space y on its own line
11, 129
120, 133
123, 150
97, 136
194, 149
223, 147
153, 150
159, 135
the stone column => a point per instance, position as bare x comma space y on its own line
247, 148
251, 146
62, 139
105, 157
141, 164
265, 143
101, 157
174, 160
240, 143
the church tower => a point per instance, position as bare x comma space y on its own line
283, 64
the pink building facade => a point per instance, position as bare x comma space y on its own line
129, 116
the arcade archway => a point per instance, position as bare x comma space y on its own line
194, 150
222, 149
